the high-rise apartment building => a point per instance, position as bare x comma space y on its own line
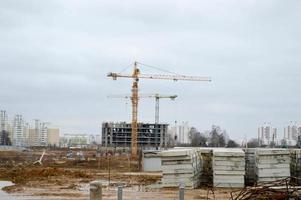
44, 134
3, 126
291, 133
34, 134
53, 136
180, 133
267, 134
19, 131
3, 121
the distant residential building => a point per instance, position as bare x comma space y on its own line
98, 139
267, 134
4, 132
94, 139
26, 134
53, 135
180, 133
3, 121
44, 134
34, 137
4, 138
291, 133
19, 131
34, 134
74, 140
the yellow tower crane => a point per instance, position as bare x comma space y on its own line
136, 75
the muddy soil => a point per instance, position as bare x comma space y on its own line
66, 179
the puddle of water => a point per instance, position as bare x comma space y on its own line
4, 195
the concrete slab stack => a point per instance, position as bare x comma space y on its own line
250, 178
151, 161
296, 165
272, 164
180, 166
228, 168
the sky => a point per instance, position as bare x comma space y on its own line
55, 56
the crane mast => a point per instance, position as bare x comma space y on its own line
134, 144
135, 97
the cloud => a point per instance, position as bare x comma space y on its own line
55, 56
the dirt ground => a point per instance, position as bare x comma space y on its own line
66, 179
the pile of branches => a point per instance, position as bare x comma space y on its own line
275, 190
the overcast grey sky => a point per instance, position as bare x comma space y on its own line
55, 54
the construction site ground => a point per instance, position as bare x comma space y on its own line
63, 178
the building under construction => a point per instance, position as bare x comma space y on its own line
119, 134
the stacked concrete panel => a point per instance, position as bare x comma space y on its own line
180, 166
228, 168
250, 177
272, 164
296, 165
151, 161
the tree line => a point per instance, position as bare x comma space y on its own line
216, 137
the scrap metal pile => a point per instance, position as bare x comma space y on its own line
275, 190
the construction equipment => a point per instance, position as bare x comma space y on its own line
157, 97
136, 75
39, 161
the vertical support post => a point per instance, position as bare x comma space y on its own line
119, 192
181, 191
95, 190
109, 169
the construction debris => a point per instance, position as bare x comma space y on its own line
228, 168
275, 190
40, 159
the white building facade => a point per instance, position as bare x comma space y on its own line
180, 133
19, 131
267, 134
44, 134
22, 134
291, 134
